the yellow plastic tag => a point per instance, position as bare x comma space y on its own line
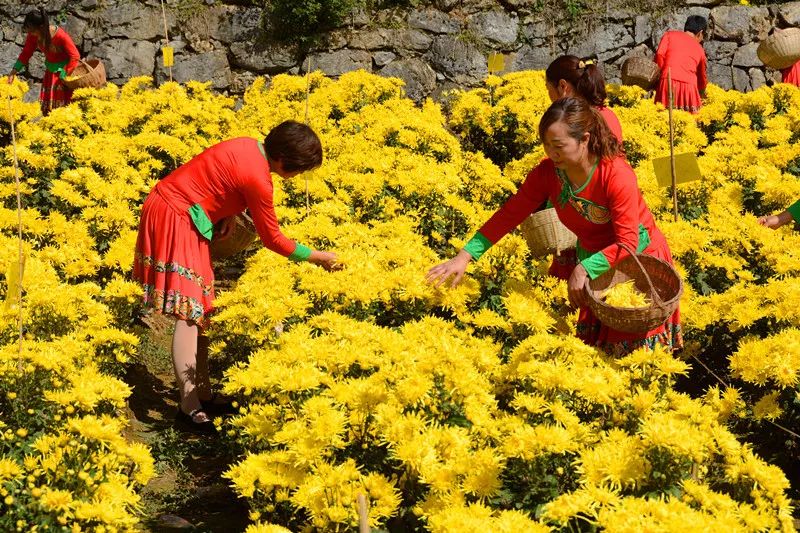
14, 280
497, 62
686, 169
168, 54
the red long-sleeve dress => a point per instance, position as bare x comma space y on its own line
172, 259
60, 59
791, 74
681, 55
565, 262
608, 209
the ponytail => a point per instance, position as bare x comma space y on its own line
583, 74
580, 118
592, 86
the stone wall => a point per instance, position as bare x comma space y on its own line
432, 48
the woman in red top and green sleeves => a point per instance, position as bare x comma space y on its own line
792, 214
572, 76
60, 55
681, 54
172, 259
595, 193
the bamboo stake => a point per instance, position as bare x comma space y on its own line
166, 34
672, 149
308, 94
20, 256
363, 514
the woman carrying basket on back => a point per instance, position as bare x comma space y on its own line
60, 55
681, 58
595, 193
572, 76
172, 259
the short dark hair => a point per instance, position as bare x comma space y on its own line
585, 76
295, 145
695, 24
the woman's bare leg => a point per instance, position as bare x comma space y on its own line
184, 360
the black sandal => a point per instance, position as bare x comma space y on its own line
218, 405
187, 422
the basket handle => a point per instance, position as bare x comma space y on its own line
656, 297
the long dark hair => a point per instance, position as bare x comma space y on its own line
38, 20
580, 118
583, 74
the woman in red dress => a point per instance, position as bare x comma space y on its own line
791, 74
681, 55
172, 259
60, 58
595, 193
572, 76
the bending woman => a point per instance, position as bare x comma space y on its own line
173, 262
595, 193
60, 58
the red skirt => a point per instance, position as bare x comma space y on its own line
591, 331
685, 95
173, 263
54, 93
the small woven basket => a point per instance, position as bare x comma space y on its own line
546, 234
243, 234
89, 73
781, 49
640, 71
651, 276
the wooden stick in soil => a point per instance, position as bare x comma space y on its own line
672, 149
20, 256
363, 515
308, 96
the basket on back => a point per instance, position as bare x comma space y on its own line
653, 277
242, 235
546, 234
781, 49
89, 73
640, 71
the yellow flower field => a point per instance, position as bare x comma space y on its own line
472, 409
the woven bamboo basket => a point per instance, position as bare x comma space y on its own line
89, 73
640, 71
545, 233
653, 277
242, 235
781, 49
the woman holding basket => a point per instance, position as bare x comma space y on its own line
60, 58
172, 259
595, 193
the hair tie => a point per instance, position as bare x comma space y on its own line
584, 64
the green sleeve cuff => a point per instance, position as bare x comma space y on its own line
19, 66
477, 246
596, 264
301, 253
794, 210
201, 221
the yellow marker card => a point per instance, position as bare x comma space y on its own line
497, 62
168, 54
686, 169
14, 280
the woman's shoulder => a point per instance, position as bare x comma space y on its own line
616, 168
